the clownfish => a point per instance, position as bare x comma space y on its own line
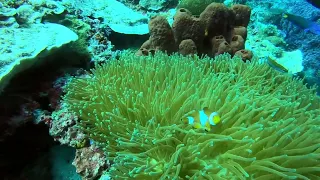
202, 119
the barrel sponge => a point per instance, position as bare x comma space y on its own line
145, 48
142, 52
218, 19
186, 26
161, 35
246, 55
243, 13
196, 6
237, 43
224, 47
132, 108
187, 47
147, 44
215, 43
240, 30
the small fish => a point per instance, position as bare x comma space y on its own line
276, 65
91, 142
82, 143
303, 23
202, 119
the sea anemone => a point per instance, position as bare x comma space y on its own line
132, 107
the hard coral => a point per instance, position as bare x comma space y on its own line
13, 3
215, 21
90, 163
133, 107
64, 128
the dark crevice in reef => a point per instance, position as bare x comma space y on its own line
28, 143
127, 41
22, 141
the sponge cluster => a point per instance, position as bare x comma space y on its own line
217, 30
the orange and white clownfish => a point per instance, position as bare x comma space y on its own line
202, 119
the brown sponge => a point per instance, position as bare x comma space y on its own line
144, 49
224, 47
237, 43
142, 52
246, 55
218, 19
186, 26
187, 47
146, 44
242, 13
217, 30
215, 43
240, 30
161, 35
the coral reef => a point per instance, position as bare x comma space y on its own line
124, 119
132, 108
62, 123
284, 36
63, 128
90, 162
217, 30
156, 5
32, 95
17, 53
103, 18
114, 14
29, 12
25, 40
99, 46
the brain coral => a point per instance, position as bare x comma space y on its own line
133, 108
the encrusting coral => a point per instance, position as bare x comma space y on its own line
132, 107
